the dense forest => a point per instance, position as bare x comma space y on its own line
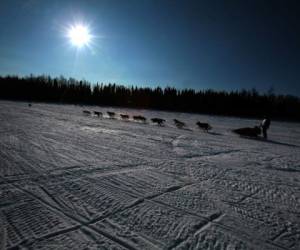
246, 103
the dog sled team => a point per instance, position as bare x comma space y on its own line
246, 132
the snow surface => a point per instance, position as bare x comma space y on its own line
72, 181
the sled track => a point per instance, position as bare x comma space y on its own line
70, 181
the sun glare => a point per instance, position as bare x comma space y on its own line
79, 35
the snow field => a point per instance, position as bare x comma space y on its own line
71, 181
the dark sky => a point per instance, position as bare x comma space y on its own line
187, 44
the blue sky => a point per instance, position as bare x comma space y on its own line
222, 45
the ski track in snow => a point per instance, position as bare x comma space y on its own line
70, 181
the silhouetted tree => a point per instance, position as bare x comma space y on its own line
238, 103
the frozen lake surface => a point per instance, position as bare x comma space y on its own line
71, 181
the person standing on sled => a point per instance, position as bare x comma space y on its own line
265, 124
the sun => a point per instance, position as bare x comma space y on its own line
79, 35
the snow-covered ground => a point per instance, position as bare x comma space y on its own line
71, 181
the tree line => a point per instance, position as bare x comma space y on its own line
245, 103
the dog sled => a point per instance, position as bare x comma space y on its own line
248, 132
